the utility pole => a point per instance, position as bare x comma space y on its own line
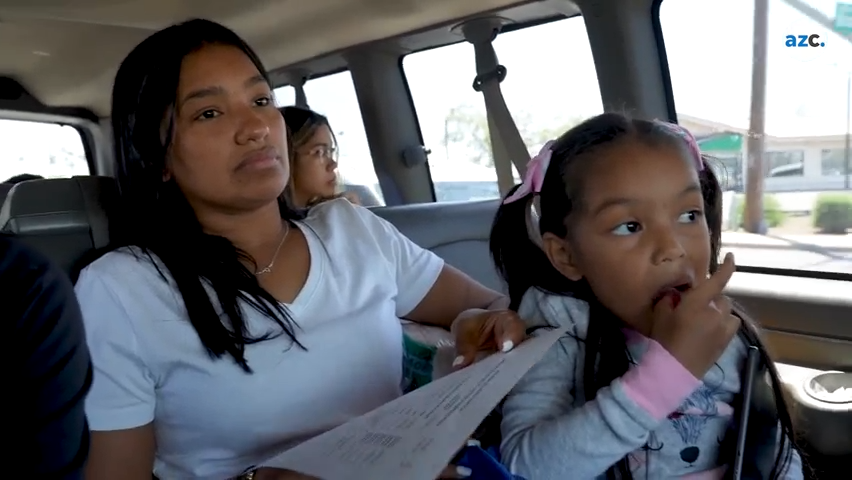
753, 220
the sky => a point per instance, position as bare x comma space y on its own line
551, 79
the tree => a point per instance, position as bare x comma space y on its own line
466, 133
467, 127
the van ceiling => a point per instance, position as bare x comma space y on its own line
67, 54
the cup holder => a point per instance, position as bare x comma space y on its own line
830, 387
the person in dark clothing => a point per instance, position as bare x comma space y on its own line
47, 365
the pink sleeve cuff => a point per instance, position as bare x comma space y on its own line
659, 383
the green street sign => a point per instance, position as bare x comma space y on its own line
724, 142
843, 19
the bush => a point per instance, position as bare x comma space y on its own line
772, 213
833, 212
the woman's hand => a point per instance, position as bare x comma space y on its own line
486, 330
452, 472
455, 471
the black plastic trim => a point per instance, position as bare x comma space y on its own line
664, 60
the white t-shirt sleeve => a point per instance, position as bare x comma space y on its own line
123, 389
415, 269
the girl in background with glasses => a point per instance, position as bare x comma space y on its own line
313, 158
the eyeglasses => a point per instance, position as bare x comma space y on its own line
323, 152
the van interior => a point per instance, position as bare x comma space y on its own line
58, 61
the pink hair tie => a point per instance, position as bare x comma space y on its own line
534, 177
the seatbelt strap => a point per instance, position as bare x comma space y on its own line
301, 98
298, 79
499, 146
507, 145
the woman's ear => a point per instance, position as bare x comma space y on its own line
561, 256
167, 171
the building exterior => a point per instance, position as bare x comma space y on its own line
808, 163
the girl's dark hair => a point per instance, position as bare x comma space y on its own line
157, 219
524, 265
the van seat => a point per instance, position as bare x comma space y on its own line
456, 231
4, 191
64, 218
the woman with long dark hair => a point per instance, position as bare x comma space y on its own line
223, 326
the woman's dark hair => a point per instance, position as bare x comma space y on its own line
524, 265
157, 219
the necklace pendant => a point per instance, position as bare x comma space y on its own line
268, 268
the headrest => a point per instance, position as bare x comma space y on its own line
64, 218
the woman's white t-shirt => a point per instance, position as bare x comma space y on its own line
213, 420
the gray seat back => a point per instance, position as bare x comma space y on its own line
4, 191
457, 232
64, 218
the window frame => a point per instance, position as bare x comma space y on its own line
507, 28
84, 127
327, 73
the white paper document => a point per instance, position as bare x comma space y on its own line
416, 435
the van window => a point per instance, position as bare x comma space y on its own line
46, 149
452, 115
334, 96
805, 191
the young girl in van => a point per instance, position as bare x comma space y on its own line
622, 250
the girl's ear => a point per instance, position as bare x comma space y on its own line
561, 256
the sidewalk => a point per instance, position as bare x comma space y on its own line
832, 243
